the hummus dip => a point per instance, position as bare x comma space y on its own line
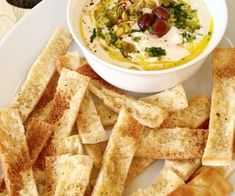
146, 34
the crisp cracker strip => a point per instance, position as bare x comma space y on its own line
42, 109
176, 143
89, 124
166, 183
69, 61
66, 104
194, 116
171, 100
107, 116
183, 168
36, 137
14, 155
218, 151
118, 155
209, 182
41, 73
138, 165
67, 174
71, 145
96, 152
147, 114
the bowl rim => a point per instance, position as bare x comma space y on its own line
199, 58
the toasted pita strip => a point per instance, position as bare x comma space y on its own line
14, 155
118, 155
41, 72
69, 61
96, 152
71, 145
209, 182
138, 165
193, 116
171, 100
176, 143
166, 183
183, 168
40, 180
218, 151
41, 111
36, 137
107, 116
148, 114
66, 103
89, 124
67, 174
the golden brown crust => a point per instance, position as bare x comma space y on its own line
194, 116
218, 151
118, 155
14, 153
209, 182
223, 62
176, 143
138, 165
147, 114
41, 73
96, 152
36, 137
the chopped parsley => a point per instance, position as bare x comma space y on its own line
135, 30
113, 37
136, 39
155, 51
93, 36
188, 37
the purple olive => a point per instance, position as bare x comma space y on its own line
160, 28
145, 21
161, 13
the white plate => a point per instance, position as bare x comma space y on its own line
23, 44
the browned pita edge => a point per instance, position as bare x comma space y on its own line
118, 155
14, 154
44, 101
107, 116
138, 165
218, 151
41, 72
89, 124
166, 182
36, 137
176, 143
69, 61
209, 182
96, 152
147, 114
194, 116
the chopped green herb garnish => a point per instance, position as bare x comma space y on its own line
136, 39
113, 37
135, 30
93, 36
188, 37
155, 51
209, 33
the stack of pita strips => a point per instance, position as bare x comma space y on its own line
54, 139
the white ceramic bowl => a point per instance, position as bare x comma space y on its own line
147, 81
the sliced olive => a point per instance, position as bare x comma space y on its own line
145, 21
161, 13
160, 28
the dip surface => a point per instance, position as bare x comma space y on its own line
110, 29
